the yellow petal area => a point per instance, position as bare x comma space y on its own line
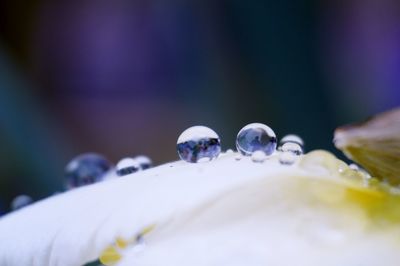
147, 229
110, 256
324, 184
375, 144
350, 187
121, 243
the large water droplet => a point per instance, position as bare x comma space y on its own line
197, 144
144, 162
20, 202
127, 166
292, 147
256, 137
86, 169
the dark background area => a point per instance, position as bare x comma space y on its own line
126, 77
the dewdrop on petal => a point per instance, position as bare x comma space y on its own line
144, 162
20, 202
258, 157
287, 158
292, 147
198, 144
292, 138
256, 137
86, 169
127, 166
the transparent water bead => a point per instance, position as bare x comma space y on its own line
292, 138
258, 157
359, 169
20, 202
198, 144
287, 158
86, 169
238, 157
127, 166
292, 147
144, 162
229, 151
256, 137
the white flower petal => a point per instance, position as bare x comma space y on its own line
224, 212
268, 222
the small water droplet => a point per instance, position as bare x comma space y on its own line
292, 147
292, 138
353, 166
198, 144
359, 169
287, 158
258, 156
20, 202
229, 151
127, 166
238, 157
144, 162
86, 169
256, 137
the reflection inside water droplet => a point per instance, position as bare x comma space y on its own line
292, 147
256, 137
127, 166
86, 169
198, 144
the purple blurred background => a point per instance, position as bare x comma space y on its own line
126, 77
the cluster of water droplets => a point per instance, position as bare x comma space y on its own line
131, 165
90, 168
256, 140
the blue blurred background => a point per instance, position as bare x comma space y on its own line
126, 77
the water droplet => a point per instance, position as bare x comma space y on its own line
144, 162
86, 169
353, 166
198, 144
359, 169
229, 151
127, 166
238, 157
292, 147
256, 137
287, 158
20, 202
258, 156
292, 138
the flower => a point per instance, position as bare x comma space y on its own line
317, 211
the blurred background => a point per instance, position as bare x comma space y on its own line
127, 77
